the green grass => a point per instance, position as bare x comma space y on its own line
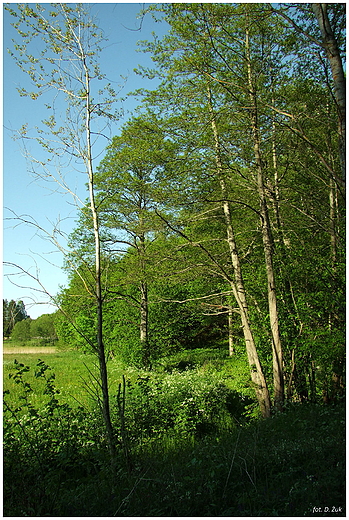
73, 371
285, 466
75, 375
69, 370
56, 461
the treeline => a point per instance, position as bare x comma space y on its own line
18, 325
221, 204
12, 313
218, 212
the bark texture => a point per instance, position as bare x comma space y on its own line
98, 284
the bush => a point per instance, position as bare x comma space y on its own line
183, 403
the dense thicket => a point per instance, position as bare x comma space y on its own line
188, 450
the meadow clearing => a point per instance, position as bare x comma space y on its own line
190, 442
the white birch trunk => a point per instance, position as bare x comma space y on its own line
98, 285
237, 285
267, 241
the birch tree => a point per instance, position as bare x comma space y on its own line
237, 285
66, 74
267, 238
198, 57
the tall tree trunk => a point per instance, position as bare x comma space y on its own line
98, 284
333, 220
143, 326
276, 188
237, 285
267, 240
294, 325
230, 331
332, 51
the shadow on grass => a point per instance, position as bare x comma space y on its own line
290, 465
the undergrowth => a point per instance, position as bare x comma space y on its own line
194, 450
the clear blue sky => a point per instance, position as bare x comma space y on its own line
22, 195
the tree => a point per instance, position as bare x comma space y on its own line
13, 312
267, 237
133, 181
265, 115
43, 329
325, 37
68, 67
199, 59
21, 331
332, 50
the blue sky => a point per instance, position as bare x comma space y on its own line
22, 195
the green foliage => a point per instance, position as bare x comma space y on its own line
190, 441
45, 445
22, 331
40, 331
43, 329
181, 404
189, 454
160, 192
175, 325
12, 313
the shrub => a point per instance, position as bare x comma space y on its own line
183, 403
187, 456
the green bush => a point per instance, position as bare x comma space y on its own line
183, 403
46, 445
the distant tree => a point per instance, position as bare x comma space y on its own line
21, 330
43, 329
13, 312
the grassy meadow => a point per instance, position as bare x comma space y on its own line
193, 445
73, 370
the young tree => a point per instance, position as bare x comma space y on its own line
68, 67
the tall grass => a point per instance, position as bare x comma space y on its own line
76, 374
194, 448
